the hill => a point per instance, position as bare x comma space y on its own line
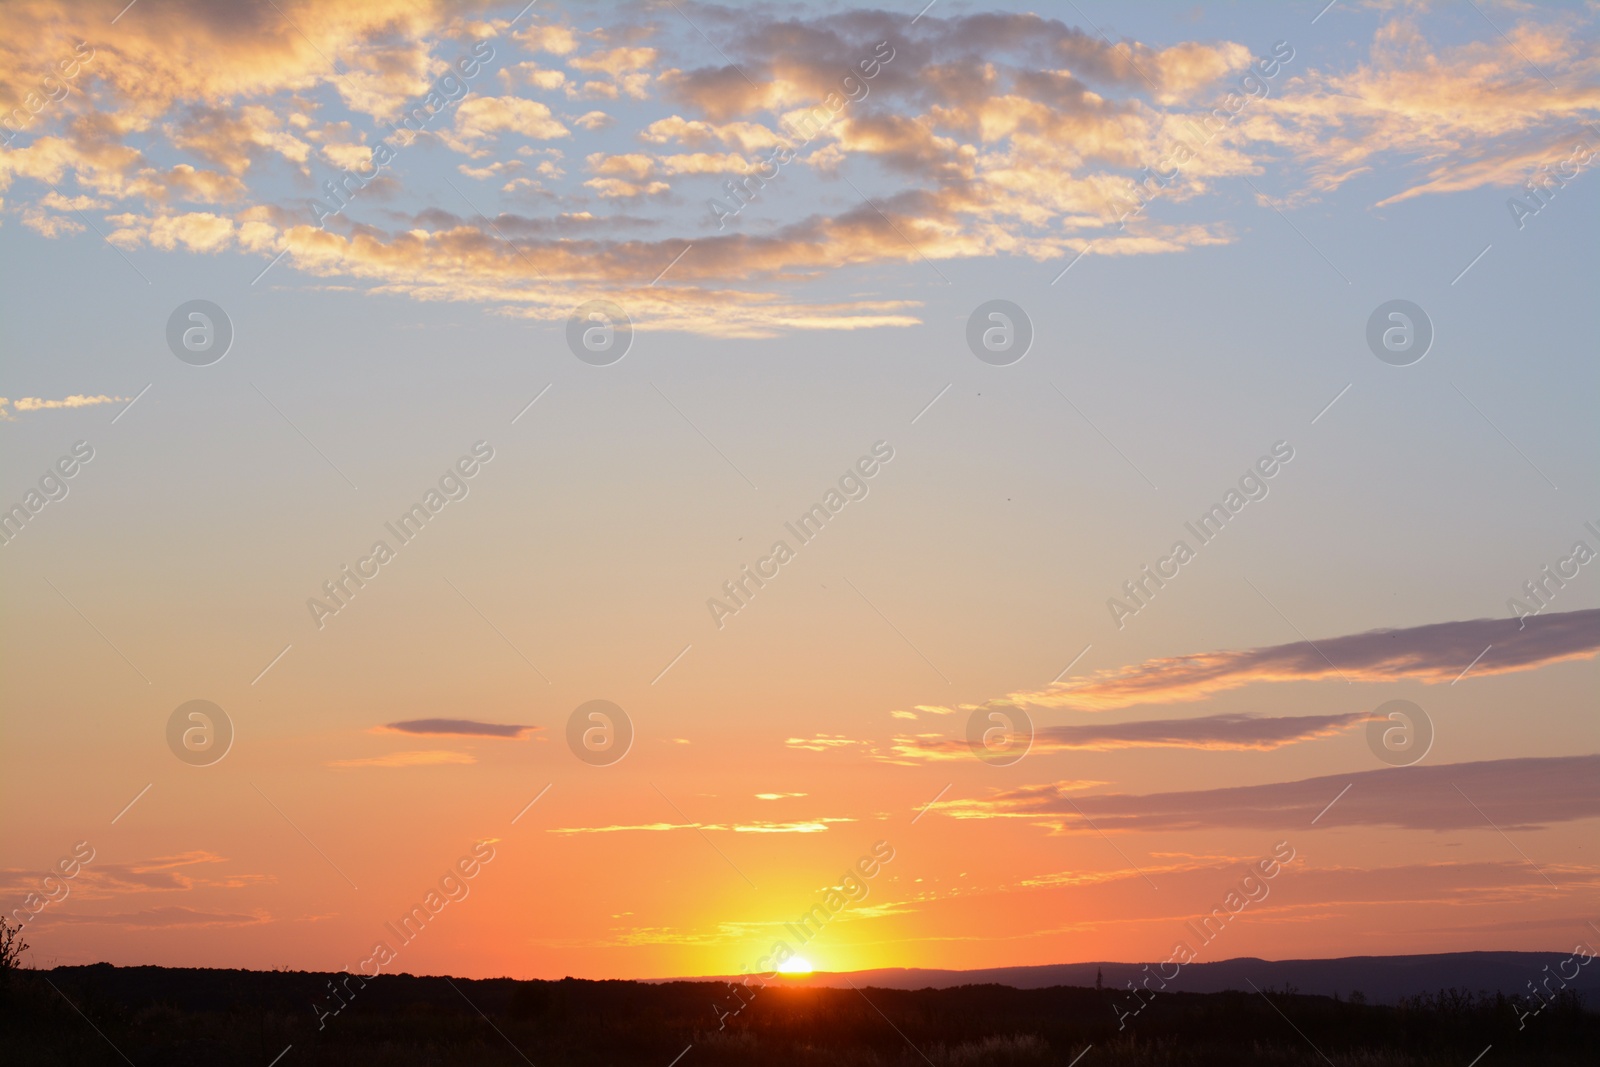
1380, 979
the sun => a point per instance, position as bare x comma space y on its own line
795, 965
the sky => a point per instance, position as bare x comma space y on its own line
1011, 473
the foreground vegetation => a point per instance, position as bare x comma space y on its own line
160, 1017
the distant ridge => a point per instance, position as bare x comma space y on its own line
1381, 979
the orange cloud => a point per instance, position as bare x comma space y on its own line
34, 403
807, 826
1474, 113
822, 742
482, 117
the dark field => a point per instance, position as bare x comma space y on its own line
153, 1016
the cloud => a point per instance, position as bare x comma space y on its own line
624, 65
198, 231
1212, 732
779, 796
822, 742
612, 188
594, 121
1435, 653
34, 403
618, 828
416, 758
557, 40
810, 826
257, 96
484, 117
1514, 794
459, 728
158, 918
760, 826
236, 140
48, 225
1410, 895
212, 51
99, 880
978, 136
533, 74
1471, 113
617, 61
745, 136
794, 61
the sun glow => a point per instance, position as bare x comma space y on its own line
795, 965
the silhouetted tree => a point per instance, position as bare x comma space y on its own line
12, 946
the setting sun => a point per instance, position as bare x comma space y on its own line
795, 965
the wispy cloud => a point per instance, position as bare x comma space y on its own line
1215, 732
459, 728
158, 918
1517, 794
100, 880
822, 742
34, 403
1434, 653
621, 828
759, 826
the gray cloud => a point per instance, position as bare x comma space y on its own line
1218, 732
460, 728
1438, 652
1516, 794
158, 918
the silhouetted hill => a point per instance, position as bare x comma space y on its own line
1381, 979
176, 1017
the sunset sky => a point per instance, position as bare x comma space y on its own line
1205, 215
